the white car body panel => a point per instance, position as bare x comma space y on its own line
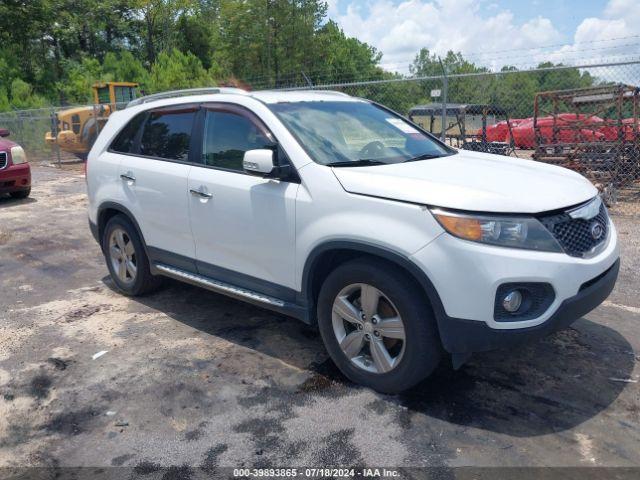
103, 183
160, 193
248, 225
472, 181
103, 169
327, 213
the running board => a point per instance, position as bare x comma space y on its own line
220, 287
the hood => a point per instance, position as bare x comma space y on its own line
6, 144
472, 181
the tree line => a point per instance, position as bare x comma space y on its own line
52, 51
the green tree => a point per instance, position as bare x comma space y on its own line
22, 96
122, 66
5, 104
157, 24
341, 58
175, 69
564, 79
194, 35
75, 86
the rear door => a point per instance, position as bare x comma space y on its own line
243, 225
155, 180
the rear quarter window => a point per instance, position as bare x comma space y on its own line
125, 140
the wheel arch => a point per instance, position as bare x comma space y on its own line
327, 256
108, 210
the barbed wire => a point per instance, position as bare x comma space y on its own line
526, 49
558, 57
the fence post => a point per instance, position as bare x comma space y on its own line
54, 132
445, 86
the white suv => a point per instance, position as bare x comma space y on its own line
340, 212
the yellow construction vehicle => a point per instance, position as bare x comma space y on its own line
75, 129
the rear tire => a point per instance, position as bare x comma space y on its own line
403, 324
21, 193
127, 259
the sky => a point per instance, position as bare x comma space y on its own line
495, 32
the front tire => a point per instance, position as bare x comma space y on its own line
126, 258
378, 326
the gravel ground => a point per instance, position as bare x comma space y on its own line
193, 381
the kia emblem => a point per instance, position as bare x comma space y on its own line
597, 231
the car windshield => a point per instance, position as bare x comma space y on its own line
356, 133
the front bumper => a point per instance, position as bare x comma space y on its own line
15, 178
466, 276
467, 336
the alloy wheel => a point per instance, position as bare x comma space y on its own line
368, 327
122, 255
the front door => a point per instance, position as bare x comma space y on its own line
243, 225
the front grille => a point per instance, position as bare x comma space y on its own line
575, 235
3, 160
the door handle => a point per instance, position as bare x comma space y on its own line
200, 193
128, 177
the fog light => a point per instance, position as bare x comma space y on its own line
512, 301
520, 301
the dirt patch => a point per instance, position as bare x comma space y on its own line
82, 312
58, 363
5, 237
325, 376
39, 386
212, 458
72, 422
146, 468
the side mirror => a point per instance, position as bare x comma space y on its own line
258, 162
4, 132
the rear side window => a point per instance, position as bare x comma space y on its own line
125, 141
227, 136
167, 134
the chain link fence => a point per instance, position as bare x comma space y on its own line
57, 135
583, 117
28, 128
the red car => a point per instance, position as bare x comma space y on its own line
499, 132
524, 134
15, 173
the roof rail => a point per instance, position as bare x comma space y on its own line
331, 92
313, 90
183, 93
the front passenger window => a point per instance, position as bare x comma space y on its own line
227, 136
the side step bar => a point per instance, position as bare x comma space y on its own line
221, 287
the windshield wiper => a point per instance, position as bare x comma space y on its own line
363, 162
426, 156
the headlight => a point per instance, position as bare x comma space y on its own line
501, 230
18, 156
